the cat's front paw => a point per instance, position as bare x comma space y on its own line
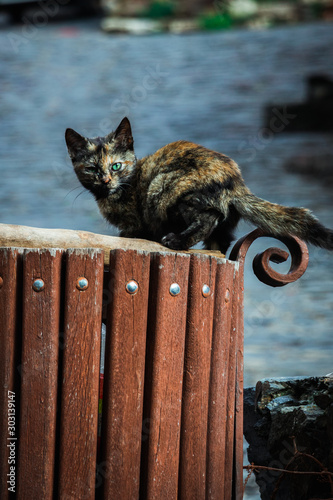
173, 241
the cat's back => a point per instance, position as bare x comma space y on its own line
186, 158
181, 168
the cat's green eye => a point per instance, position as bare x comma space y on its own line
116, 166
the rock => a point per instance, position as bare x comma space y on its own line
126, 8
241, 9
134, 26
287, 416
179, 26
138, 26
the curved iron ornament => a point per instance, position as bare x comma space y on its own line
261, 263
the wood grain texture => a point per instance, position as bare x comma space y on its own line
34, 237
40, 334
192, 479
172, 408
220, 391
238, 317
164, 376
124, 374
10, 286
80, 374
232, 374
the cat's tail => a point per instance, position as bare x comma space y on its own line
282, 221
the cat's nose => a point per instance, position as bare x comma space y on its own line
105, 179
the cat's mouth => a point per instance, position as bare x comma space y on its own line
104, 191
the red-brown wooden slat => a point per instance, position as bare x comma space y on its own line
80, 373
238, 317
124, 373
232, 373
40, 334
164, 376
220, 391
9, 318
192, 472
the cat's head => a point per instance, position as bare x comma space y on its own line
104, 165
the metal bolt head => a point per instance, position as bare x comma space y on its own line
38, 285
174, 289
82, 283
1, 282
205, 290
132, 287
227, 295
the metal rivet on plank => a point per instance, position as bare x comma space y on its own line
82, 284
205, 290
38, 285
132, 287
227, 295
1, 282
174, 289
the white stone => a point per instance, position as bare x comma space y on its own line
242, 8
131, 25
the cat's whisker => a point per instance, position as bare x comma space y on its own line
77, 196
71, 191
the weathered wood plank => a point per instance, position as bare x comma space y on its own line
238, 321
124, 373
164, 376
192, 479
220, 391
80, 373
231, 399
10, 285
40, 334
34, 237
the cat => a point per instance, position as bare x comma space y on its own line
181, 195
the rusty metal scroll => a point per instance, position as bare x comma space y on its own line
261, 264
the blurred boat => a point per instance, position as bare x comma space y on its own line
313, 115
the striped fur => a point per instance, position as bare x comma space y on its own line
180, 195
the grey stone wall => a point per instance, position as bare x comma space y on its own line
288, 424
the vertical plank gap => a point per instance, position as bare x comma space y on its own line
237, 492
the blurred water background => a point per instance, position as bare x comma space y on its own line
208, 88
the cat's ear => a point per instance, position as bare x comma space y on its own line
75, 142
123, 134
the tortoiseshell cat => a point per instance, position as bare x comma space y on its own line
180, 195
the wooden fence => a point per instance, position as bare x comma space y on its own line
172, 399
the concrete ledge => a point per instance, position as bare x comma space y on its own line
35, 237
